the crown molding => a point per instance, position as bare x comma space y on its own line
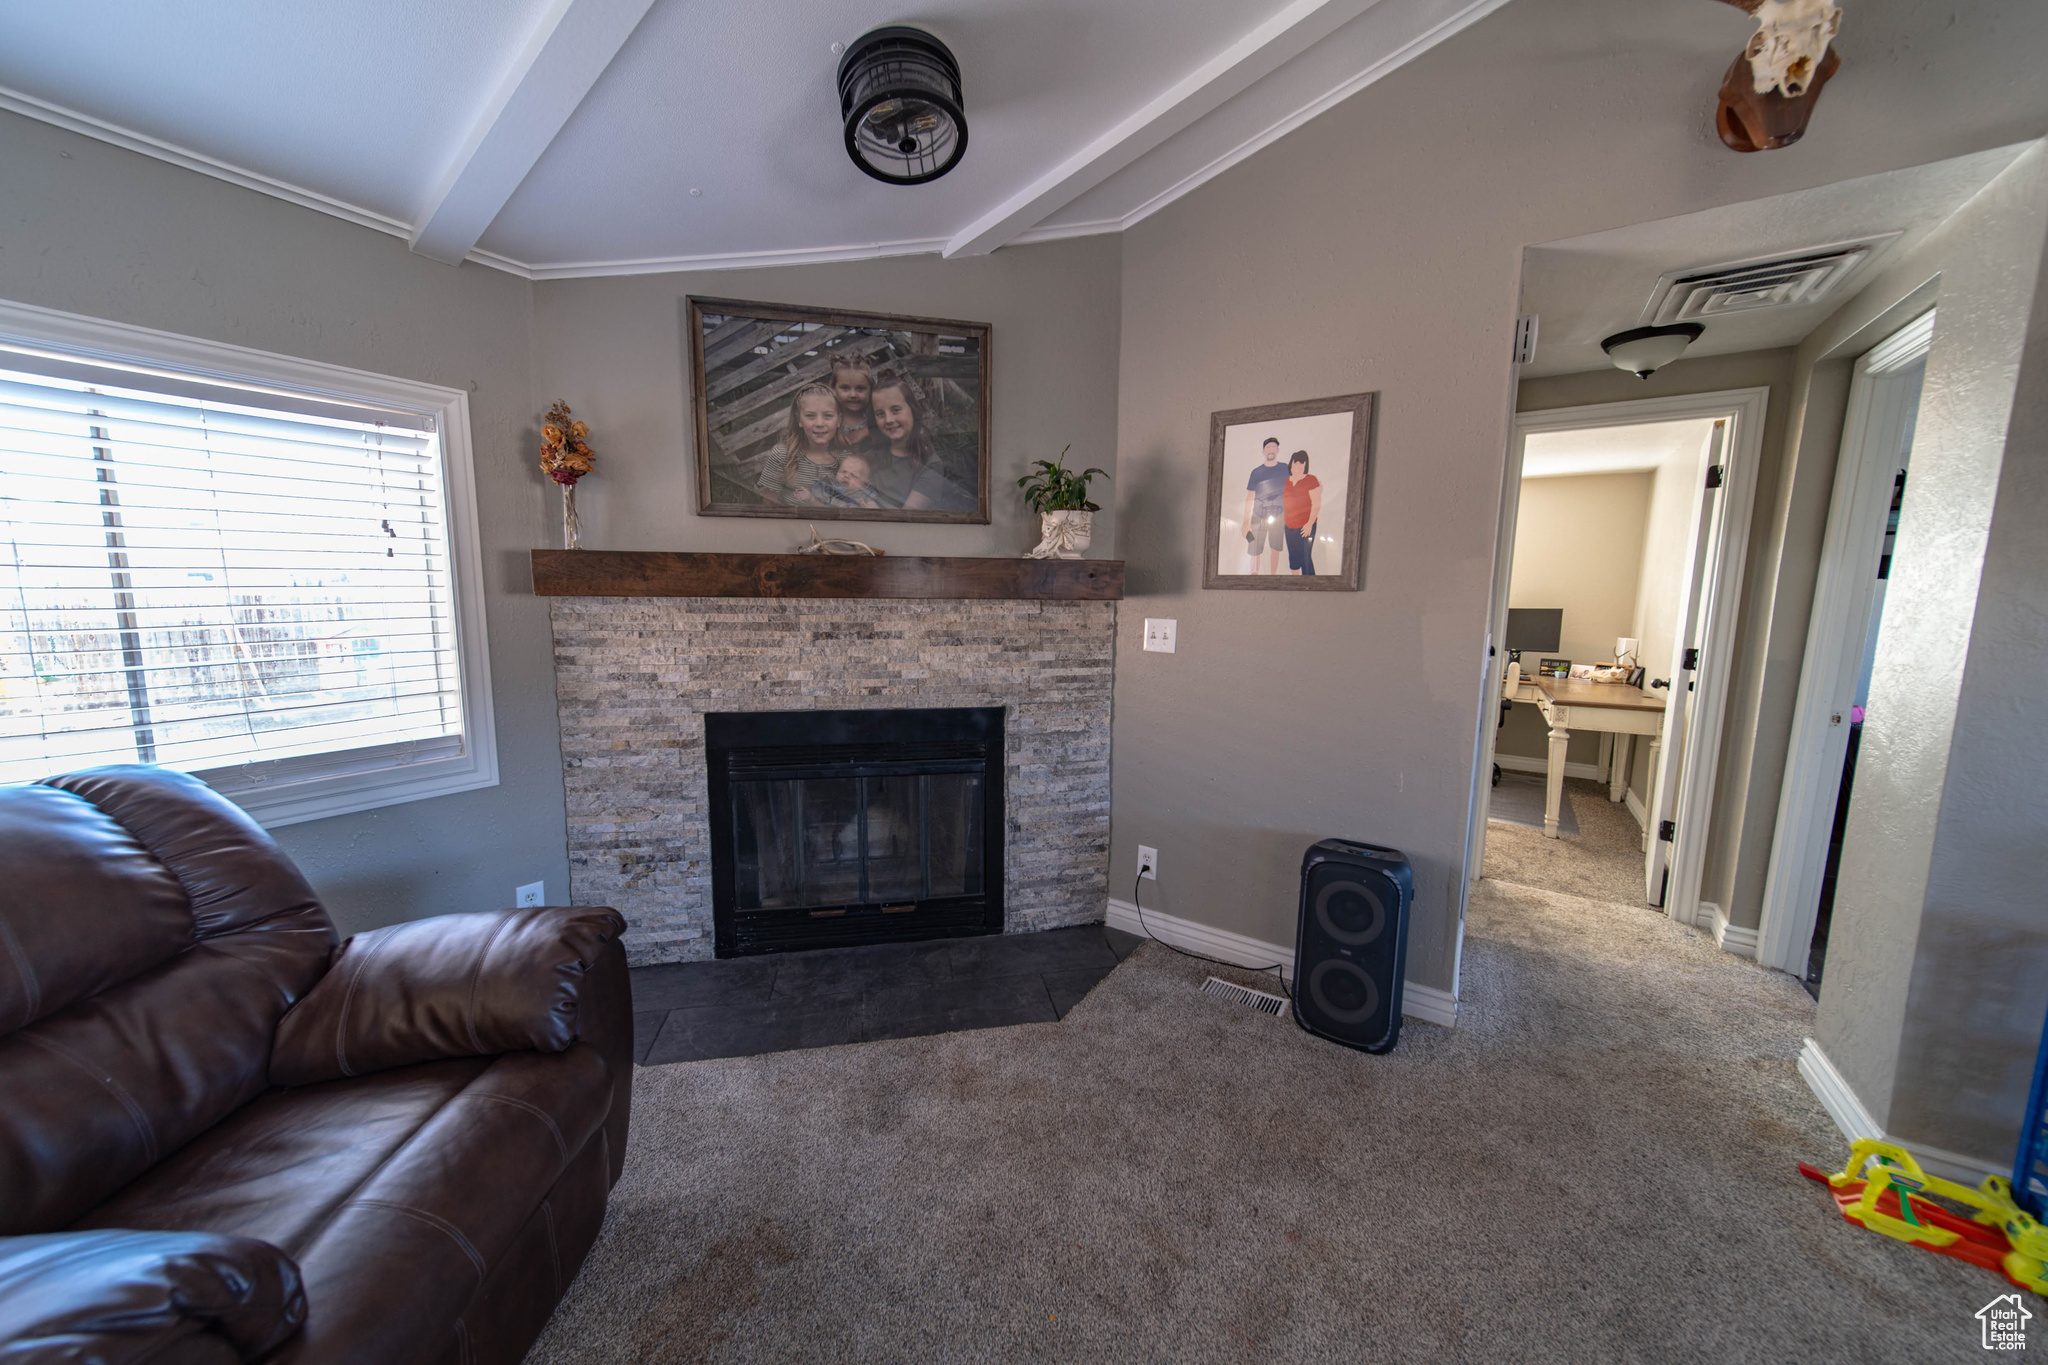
1060, 232
28, 106
56, 115
738, 260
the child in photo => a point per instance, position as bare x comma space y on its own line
908, 475
806, 455
852, 384
849, 486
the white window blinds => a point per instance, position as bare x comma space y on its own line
245, 583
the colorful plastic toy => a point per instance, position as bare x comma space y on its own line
1883, 1189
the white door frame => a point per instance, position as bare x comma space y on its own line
1674, 749
1836, 632
1745, 410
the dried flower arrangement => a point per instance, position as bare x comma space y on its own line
566, 456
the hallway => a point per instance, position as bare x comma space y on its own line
1603, 861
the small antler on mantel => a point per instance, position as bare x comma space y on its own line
1769, 92
821, 546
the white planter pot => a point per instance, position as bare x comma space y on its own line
1066, 535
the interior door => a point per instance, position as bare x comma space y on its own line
1684, 650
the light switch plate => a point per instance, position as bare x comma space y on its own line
533, 893
1159, 633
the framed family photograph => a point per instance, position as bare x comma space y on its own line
821, 414
1287, 495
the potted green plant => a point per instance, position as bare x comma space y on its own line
1066, 518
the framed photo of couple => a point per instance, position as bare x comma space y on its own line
821, 414
1287, 495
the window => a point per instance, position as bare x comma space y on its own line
258, 570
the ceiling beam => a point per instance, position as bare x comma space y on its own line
570, 48
1286, 35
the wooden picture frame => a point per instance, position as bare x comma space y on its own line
1248, 508
753, 372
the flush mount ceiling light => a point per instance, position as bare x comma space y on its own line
1642, 351
899, 92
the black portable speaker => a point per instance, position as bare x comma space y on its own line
1351, 948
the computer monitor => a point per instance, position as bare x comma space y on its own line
1534, 627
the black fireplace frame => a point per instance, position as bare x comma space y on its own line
944, 735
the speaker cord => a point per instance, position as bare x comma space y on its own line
1279, 969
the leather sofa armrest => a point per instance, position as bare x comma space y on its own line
452, 986
117, 1297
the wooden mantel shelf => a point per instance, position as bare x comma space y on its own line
665, 573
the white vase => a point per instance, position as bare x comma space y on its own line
1066, 535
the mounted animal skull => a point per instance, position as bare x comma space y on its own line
1769, 92
1791, 40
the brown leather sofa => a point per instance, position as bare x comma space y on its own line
224, 1137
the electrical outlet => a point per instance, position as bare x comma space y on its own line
533, 893
1159, 633
1148, 863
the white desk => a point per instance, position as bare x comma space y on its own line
1610, 708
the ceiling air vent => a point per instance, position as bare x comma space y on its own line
1774, 282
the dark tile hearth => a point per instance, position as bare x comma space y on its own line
738, 1007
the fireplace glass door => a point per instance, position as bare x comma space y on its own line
819, 842
840, 827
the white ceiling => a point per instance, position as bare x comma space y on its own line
1611, 450
562, 137
1585, 288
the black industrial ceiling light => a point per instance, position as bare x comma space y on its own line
899, 92
1642, 351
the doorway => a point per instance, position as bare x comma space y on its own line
1848, 610
1635, 517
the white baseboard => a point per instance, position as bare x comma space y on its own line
1418, 1001
1428, 1004
1515, 763
1729, 937
1636, 808
1835, 1095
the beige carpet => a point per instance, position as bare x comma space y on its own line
1604, 860
1597, 1164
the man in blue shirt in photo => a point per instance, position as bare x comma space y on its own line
1265, 506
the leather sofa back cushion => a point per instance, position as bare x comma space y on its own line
452, 986
233, 874
83, 905
151, 1021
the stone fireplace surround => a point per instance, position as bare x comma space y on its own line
635, 675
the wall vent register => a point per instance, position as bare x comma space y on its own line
831, 828
1781, 281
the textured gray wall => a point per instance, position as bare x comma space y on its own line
1943, 859
1379, 247
1936, 983
1980, 975
93, 229
614, 350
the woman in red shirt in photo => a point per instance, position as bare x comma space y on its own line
1304, 499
